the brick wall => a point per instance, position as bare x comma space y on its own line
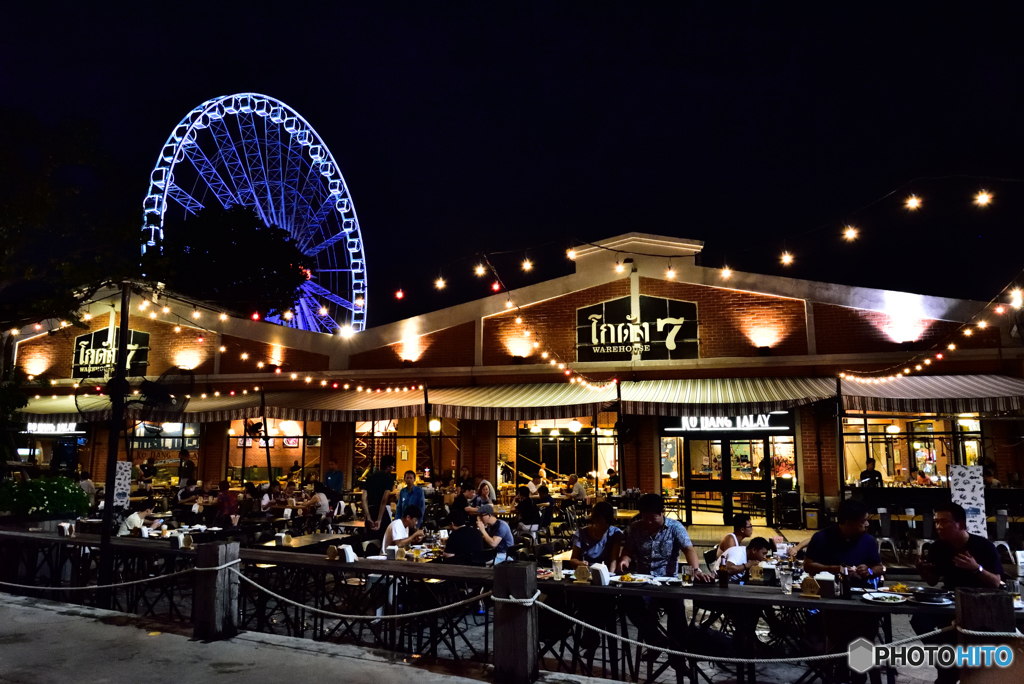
641, 465
734, 323
1003, 442
280, 456
809, 448
552, 324
843, 330
212, 451
52, 355
450, 347
477, 445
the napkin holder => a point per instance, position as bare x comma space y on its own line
279, 538
287, 514
346, 553
176, 541
66, 530
391, 552
599, 574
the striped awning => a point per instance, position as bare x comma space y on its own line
722, 396
316, 405
520, 402
936, 394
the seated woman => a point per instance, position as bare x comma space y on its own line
599, 541
483, 497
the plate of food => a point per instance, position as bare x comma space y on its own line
880, 597
898, 588
630, 578
545, 573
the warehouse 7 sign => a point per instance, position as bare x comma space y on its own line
659, 329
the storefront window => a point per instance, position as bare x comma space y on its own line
565, 446
783, 462
706, 459
409, 442
163, 443
293, 448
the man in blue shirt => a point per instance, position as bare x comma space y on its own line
652, 547
846, 547
334, 479
410, 495
496, 533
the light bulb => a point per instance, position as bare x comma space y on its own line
223, 349
87, 316
508, 304
968, 332
1016, 299
245, 356
195, 313
726, 273
359, 301
323, 309
288, 315
787, 258
571, 254
435, 425
223, 317
951, 346
152, 314
399, 294
166, 309
439, 283
917, 367
983, 198
850, 233
1000, 309
519, 320
177, 328
259, 364
619, 268
495, 286
544, 355
982, 324
527, 265
480, 270
670, 273
347, 331
913, 202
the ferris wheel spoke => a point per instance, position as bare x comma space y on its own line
236, 170
275, 180
254, 160
293, 170
208, 171
320, 291
316, 249
309, 311
191, 204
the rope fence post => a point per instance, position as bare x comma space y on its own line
988, 610
515, 625
216, 592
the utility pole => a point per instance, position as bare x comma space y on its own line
117, 389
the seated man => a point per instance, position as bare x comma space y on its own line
742, 528
652, 546
957, 559
529, 514
534, 484
738, 560
599, 541
465, 543
546, 505
402, 532
846, 547
577, 491
496, 533
137, 519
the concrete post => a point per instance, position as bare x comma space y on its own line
215, 608
515, 626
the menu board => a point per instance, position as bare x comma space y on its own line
968, 489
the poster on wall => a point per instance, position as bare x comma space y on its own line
245, 441
122, 484
291, 442
968, 489
264, 443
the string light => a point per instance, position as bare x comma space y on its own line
38, 326
670, 273
347, 331
15, 331
495, 286
323, 383
439, 283
982, 324
152, 314
527, 265
983, 198
166, 309
359, 301
726, 273
195, 313
245, 356
259, 364
917, 367
508, 304
850, 233
1000, 309
968, 332
295, 376
177, 328
519, 320
913, 202
288, 315
1016, 299
87, 316
223, 349
223, 317
787, 258
255, 316
927, 362
571, 254
480, 270
619, 268
308, 379
951, 346
399, 294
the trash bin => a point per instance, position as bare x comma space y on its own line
811, 518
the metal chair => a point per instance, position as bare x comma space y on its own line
927, 532
1001, 528
885, 533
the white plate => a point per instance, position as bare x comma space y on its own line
637, 579
881, 597
376, 558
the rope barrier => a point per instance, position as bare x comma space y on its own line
122, 584
1005, 635
532, 601
342, 616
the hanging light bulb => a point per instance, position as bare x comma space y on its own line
619, 268
519, 320
543, 355
87, 316
982, 324
399, 294
968, 332
913, 202
346, 331
255, 316
951, 346
495, 286
726, 273
177, 328
288, 315
166, 309
850, 233
983, 198
359, 301
245, 356
480, 270
152, 314
527, 265
1000, 309
787, 258
670, 273
439, 283
571, 254
223, 349
1016, 299
223, 317
535, 429
508, 303
195, 313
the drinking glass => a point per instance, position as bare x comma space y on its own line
556, 569
786, 580
686, 575
416, 553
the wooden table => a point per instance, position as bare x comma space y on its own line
308, 542
626, 514
351, 524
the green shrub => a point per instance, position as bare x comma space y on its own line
43, 497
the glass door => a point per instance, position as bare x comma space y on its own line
727, 476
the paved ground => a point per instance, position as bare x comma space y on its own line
52, 643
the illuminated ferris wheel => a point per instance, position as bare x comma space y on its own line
254, 150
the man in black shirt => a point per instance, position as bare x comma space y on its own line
870, 477
465, 543
959, 559
186, 468
377, 495
465, 479
529, 514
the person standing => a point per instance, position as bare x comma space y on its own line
376, 496
410, 495
959, 560
334, 479
87, 485
869, 477
186, 468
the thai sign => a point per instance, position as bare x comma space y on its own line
659, 329
95, 354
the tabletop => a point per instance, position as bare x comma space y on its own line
307, 540
626, 514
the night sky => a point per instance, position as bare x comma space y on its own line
484, 126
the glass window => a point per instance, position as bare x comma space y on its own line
784, 460
706, 459
747, 459
671, 452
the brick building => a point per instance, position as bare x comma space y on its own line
730, 389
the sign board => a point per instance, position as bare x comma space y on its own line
967, 488
51, 428
122, 484
775, 422
662, 329
94, 353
